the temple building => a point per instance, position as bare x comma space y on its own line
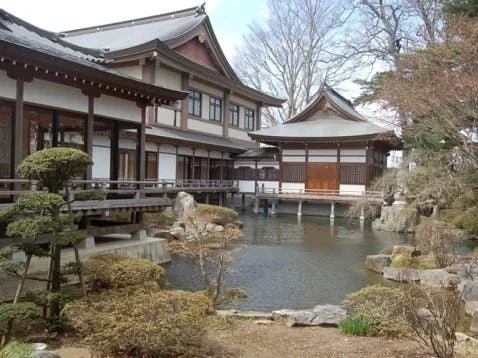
328, 146
150, 98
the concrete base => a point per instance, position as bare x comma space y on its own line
88, 243
139, 235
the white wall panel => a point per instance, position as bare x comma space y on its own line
7, 86
246, 186
200, 153
52, 94
168, 78
216, 92
116, 108
185, 151
289, 159
101, 162
166, 116
295, 187
238, 134
206, 127
322, 159
351, 189
327, 152
344, 159
167, 166
214, 154
293, 152
167, 148
133, 71
352, 152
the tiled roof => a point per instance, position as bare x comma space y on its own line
131, 33
271, 153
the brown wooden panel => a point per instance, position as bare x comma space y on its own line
322, 176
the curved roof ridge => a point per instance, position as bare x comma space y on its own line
138, 21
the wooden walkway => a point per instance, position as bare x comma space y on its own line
374, 197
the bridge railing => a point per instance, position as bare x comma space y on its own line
369, 194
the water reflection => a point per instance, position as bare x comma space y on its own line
296, 262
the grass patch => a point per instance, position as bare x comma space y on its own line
221, 214
17, 350
356, 326
163, 219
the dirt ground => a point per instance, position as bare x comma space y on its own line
245, 339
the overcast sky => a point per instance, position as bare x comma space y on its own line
229, 17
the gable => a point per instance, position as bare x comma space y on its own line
199, 52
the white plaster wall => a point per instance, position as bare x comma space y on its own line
352, 152
167, 166
151, 147
323, 159
168, 78
268, 185
101, 162
117, 108
246, 186
243, 163
344, 159
202, 126
7, 86
215, 155
298, 159
226, 156
185, 151
200, 153
127, 144
167, 148
294, 187
351, 189
293, 152
328, 152
268, 164
166, 116
55, 95
133, 71
102, 141
238, 134
205, 89
243, 102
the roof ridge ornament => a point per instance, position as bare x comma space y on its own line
201, 9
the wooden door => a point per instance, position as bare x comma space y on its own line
322, 176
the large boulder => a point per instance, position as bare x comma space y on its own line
397, 218
184, 204
468, 290
471, 307
474, 322
377, 262
322, 315
178, 233
401, 274
439, 278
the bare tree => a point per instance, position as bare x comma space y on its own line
291, 52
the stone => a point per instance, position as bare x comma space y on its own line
264, 322
161, 234
471, 307
321, 315
377, 262
474, 322
405, 250
462, 337
239, 224
257, 315
184, 204
397, 218
178, 232
401, 274
45, 354
469, 290
211, 227
219, 228
438, 278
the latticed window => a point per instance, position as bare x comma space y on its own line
215, 106
352, 174
293, 173
234, 115
194, 103
249, 119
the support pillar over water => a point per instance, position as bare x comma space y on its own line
273, 207
332, 210
362, 214
207, 198
299, 208
243, 204
256, 206
221, 199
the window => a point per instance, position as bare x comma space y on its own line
352, 174
293, 173
234, 115
194, 103
249, 117
215, 105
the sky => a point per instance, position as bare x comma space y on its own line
229, 18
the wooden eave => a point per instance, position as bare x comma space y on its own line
26, 62
183, 64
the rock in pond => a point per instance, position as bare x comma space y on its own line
405, 250
184, 203
322, 315
377, 262
401, 274
439, 278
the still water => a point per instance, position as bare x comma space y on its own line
295, 263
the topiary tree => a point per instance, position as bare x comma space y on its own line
37, 215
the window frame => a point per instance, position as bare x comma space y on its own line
248, 115
215, 109
195, 103
233, 114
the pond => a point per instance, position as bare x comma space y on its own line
291, 262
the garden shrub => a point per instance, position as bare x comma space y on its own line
23, 311
357, 326
468, 221
220, 215
162, 219
143, 323
114, 271
90, 195
17, 349
381, 307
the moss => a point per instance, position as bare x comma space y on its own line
221, 214
401, 261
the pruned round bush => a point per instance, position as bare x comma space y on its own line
381, 306
143, 323
24, 311
114, 271
220, 215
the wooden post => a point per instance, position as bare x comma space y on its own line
299, 208
19, 137
362, 214
90, 122
185, 84
141, 167
225, 113
332, 211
